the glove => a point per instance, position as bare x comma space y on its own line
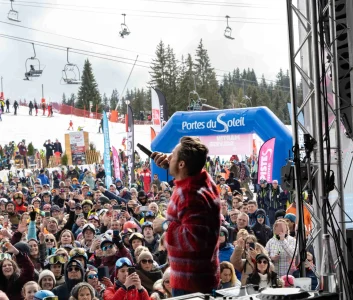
33, 215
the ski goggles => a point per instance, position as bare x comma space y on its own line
5, 256
150, 214
47, 298
108, 247
56, 259
123, 262
78, 252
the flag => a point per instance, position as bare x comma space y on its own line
265, 166
130, 145
108, 172
159, 109
116, 161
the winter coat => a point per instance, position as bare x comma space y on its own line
49, 148
149, 278
57, 148
245, 266
225, 252
100, 175
72, 174
43, 179
262, 232
22, 149
114, 293
153, 246
255, 279
12, 287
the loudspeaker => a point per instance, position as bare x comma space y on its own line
344, 36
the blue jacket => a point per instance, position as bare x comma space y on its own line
43, 179
226, 252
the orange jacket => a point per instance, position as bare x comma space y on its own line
307, 218
112, 293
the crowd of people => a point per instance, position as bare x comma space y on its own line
32, 105
69, 236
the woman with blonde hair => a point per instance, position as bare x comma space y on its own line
228, 276
51, 244
66, 238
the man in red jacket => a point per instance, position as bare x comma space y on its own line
193, 219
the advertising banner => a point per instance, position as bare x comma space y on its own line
116, 161
265, 166
78, 149
130, 146
159, 109
107, 167
228, 144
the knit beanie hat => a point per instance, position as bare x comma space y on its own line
262, 256
46, 273
279, 214
23, 248
144, 255
82, 285
291, 217
260, 211
166, 275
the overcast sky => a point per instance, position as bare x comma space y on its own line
257, 45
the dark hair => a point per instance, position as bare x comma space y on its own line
193, 153
252, 202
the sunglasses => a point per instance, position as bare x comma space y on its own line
92, 276
261, 217
105, 248
53, 260
222, 234
49, 240
145, 261
264, 262
73, 269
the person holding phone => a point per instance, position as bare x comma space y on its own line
127, 283
193, 222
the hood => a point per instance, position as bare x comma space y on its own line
70, 283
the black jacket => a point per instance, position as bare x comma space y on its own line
262, 232
57, 148
49, 148
254, 279
30, 105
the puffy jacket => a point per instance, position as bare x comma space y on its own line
113, 293
43, 178
225, 252
262, 232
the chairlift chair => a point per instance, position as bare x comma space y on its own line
228, 30
33, 68
71, 72
124, 29
13, 14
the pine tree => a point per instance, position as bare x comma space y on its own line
114, 99
185, 85
105, 102
72, 100
30, 149
159, 66
63, 101
88, 92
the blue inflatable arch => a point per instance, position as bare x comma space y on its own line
259, 120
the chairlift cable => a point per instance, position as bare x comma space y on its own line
108, 10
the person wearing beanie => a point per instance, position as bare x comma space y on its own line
142, 197
279, 214
262, 275
145, 271
262, 232
14, 218
46, 280
291, 219
292, 209
74, 274
127, 286
19, 201
225, 248
84, 291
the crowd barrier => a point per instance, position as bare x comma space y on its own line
84, 113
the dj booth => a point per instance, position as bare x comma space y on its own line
249, 293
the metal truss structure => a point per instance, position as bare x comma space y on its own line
319, 32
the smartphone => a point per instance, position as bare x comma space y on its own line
116, 207
144, 150
47, 214
103, 272
131, 270
252, 245
144, 208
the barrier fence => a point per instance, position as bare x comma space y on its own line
65, 109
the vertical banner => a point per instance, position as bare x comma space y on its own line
107, 168
130, 145
265, 166
116, 161
159, 109
78, 149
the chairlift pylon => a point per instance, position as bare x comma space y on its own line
71, 72
13, 14
124, 29
228, 30
31, 71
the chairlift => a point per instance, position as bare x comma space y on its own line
71, 72
124, 29
33, 68
13, 14
228, 30
195, 101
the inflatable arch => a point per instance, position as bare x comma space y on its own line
259, 120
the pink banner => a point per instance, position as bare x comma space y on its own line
228, 144
116, 161
265, 166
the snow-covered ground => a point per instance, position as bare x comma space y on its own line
39, 129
